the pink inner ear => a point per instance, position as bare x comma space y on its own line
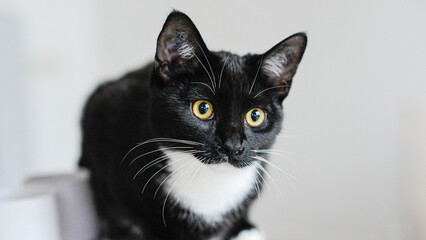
171, 52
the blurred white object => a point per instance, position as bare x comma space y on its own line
28, 214
414, 171
14, 131
77, 216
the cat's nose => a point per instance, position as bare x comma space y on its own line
231, 147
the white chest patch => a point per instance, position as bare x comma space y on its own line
250, 234
207, 190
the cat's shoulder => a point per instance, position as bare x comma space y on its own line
116, 96
131, 85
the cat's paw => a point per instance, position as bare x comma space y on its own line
249, 234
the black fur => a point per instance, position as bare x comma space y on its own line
155, 102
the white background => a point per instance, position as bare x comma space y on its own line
355, 118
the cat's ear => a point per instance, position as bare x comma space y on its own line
178, 46
280, 63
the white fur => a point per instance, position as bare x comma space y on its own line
186, 50
251, 234
209, 191
274, 65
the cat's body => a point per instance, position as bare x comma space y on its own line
189, 177
112, 134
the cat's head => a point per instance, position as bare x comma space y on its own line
223, 105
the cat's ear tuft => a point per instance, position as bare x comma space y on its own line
280, 63
178, 45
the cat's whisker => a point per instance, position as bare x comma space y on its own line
205, 84
287, 174
156, 140
274, 152
182, 174
261, 176
204, 166
188, 172
157, 150
257, 72
154, 162
161, 169
208, 62
161, 159
195, 174
125, 156
171, 140
285, 134
271, 150
257, 188
223, 67
269, 89
150, 164
255, 183
270, 177
280, 152
165, 200
211, 80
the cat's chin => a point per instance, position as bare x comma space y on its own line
223, 166
227, 165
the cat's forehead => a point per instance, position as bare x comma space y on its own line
231, 79
233, 63
236, 72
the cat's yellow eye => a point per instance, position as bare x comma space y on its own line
255, 117
202, 109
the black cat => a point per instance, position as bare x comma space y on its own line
175, 149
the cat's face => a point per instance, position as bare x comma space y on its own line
227, 106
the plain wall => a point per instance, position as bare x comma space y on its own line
355, 117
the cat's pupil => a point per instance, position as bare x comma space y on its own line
204, 108
255, 115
